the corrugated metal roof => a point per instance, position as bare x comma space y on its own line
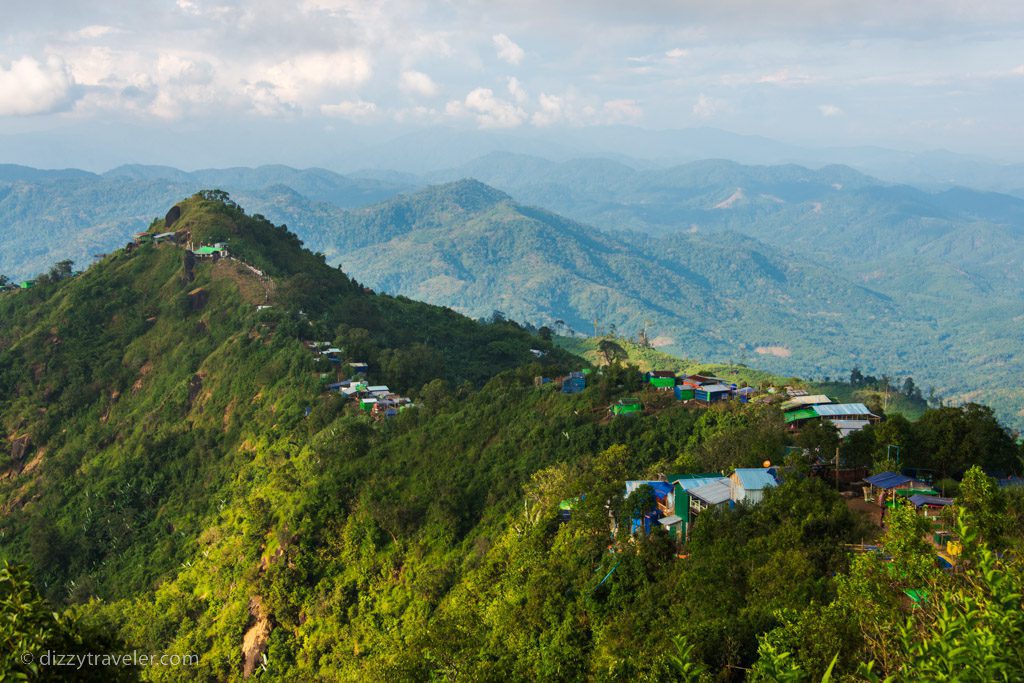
715, 388
920, 499
887, 480
847, 427
805, 401
755, 478
802, 414
692, 475
715, 493
671, 519
696, 482
837, 409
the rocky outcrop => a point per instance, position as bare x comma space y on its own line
195, 385
189, 263
20, 447
197, 298
172, 216
254, 642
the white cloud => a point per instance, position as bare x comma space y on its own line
516, 90
552, 110
507, 50
94, 31
829, 110
1019, 71
677, 53
489, 111
617, 111
353, 110
181, 70
32, 87
305, 78
705, 107
786, 77
417, 83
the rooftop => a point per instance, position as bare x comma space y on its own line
714, 493
755, 478
836, 409
888, 480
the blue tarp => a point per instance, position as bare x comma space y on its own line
661, 489
574, 385
888, 480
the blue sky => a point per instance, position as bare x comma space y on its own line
909, 75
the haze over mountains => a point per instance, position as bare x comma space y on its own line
798, 270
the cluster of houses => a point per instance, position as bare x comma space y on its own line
846, 417
211, 251
155, 238
680, 498
702, 388
573, 383
378, 400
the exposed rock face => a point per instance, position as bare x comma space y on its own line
197, 298
172, 216
19, 447
254, 642
195, 385
189, 262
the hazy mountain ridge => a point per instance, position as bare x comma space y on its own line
887, 261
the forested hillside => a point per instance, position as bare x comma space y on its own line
724, 297
180, 480
803, 271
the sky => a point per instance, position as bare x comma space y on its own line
904, 74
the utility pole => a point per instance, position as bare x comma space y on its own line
837, 468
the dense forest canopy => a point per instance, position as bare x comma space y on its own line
179, 481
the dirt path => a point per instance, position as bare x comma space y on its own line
858, 504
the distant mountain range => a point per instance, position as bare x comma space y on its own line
797, 270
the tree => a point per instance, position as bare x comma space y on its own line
60, 271
544, 333
29, 629
855, 376
4, 281
910, 389
820, 437
979, 498
953, 438
612, 352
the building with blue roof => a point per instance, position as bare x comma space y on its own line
749, 483
884, 485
